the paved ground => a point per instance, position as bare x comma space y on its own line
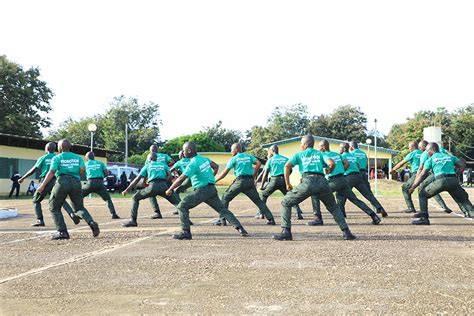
391, 268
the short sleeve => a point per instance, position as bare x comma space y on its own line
409, 156
323, 160
267, 165
55, 164
428, 165
190, 170
168, 158
455, 159
252, 158
39, 162
144, 171
81, 163
104, 168
295, 160
230, 164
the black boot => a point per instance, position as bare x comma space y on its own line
299, 215
220, 222
318, 221
375, 219
284, 235
38, 223
347, 235
115, 216
383, 212
130, 223
156, 215
61, 235
242, 231
447, 210
183, 235
271, 221
95, 228
417, 215
421, 221
76, 219
408, 210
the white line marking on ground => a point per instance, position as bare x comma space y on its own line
92, 254
454, 213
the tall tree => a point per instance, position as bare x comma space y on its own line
223, 136
462, 132
142, 120
202, 140
24, 100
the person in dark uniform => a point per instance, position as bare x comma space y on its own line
43, 164
313, 166
15, 184
96, 171
355, 180
245, 174
68, 168
158, 175
338, 184
275, 167
443, 167
201, 170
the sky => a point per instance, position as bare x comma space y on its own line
235, 61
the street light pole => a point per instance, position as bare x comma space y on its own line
126, 143
368, 141
92, 128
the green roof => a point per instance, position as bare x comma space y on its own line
331, 140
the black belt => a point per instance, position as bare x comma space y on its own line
95, 179
313, 173
336, 176
157, 180
278, 176
353, 173
445, 176
245, 177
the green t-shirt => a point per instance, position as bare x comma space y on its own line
337, 158
309, 160
242, 164
154, 170
181, 164
67, 163
353, 163
413, 158
43, 163
361, 158
424, 156
95, 169
441, 163
162, 158
276, 165
200, 172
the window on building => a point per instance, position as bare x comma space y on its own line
10, 165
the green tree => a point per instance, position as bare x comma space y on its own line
223, 136
462, 132
203, 141
346, 122
24, 100
143, 127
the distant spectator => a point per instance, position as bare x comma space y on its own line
132, 176
31, 188
15, 185
123, 181
469, 177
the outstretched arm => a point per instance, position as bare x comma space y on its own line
222, 174
46, 180
132, 184
175, 184
418, 179
29, 173
288, 169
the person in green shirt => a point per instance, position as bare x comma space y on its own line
412, 158
428, 178
159, 176
354, 179
43, 163
275, 167
180, 166
243, 165
362, 159
201, 170
338, 184
68, 168
161, 158
96, 171
313, 166
443, 167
